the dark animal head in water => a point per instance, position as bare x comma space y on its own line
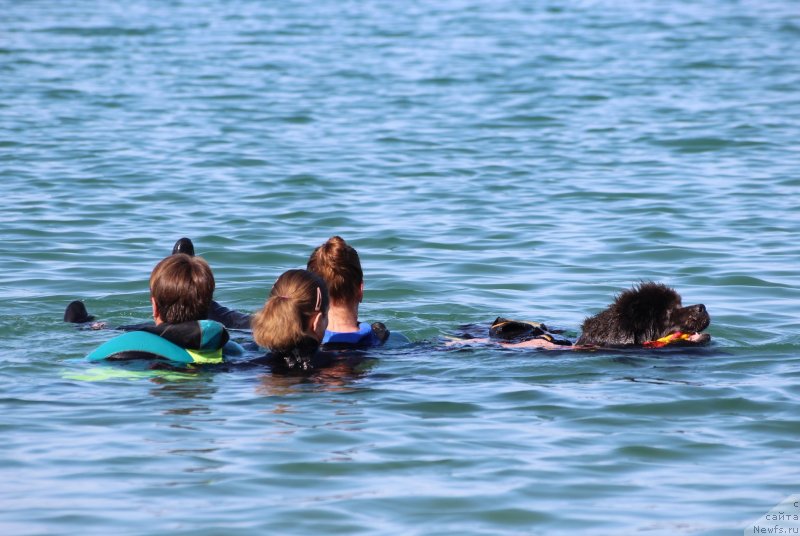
643, 313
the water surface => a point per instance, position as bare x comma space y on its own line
486, 158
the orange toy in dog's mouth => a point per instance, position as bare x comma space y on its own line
678, 337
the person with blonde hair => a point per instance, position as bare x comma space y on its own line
292, 322
338, 264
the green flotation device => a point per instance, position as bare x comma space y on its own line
199, 342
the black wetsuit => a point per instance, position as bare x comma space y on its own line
302, 359
229, 318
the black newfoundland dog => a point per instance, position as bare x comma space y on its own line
644, 313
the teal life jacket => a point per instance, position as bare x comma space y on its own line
197, 342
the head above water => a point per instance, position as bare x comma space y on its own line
296, 308
646, 312
181, 289
338, 264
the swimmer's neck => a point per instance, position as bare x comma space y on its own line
343, 318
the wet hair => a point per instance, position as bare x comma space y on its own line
283, 321
182, 288
338, 264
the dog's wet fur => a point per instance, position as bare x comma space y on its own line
646, 312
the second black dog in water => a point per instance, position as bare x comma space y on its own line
643, 313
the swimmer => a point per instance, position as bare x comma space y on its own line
648, 315
338, 264
181, 288
292, 323
517, 334
76, 312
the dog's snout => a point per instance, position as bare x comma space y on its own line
700, 308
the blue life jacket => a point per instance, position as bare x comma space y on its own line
196, 342
366, 336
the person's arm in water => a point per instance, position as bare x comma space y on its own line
532, 343
229, 318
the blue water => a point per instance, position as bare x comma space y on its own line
525, 159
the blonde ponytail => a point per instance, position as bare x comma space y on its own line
284, 320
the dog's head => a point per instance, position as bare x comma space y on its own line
652, 310
691, 319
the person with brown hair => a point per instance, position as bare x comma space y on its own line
181, 289
292, 322
229, 318
338, 264
77, 313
